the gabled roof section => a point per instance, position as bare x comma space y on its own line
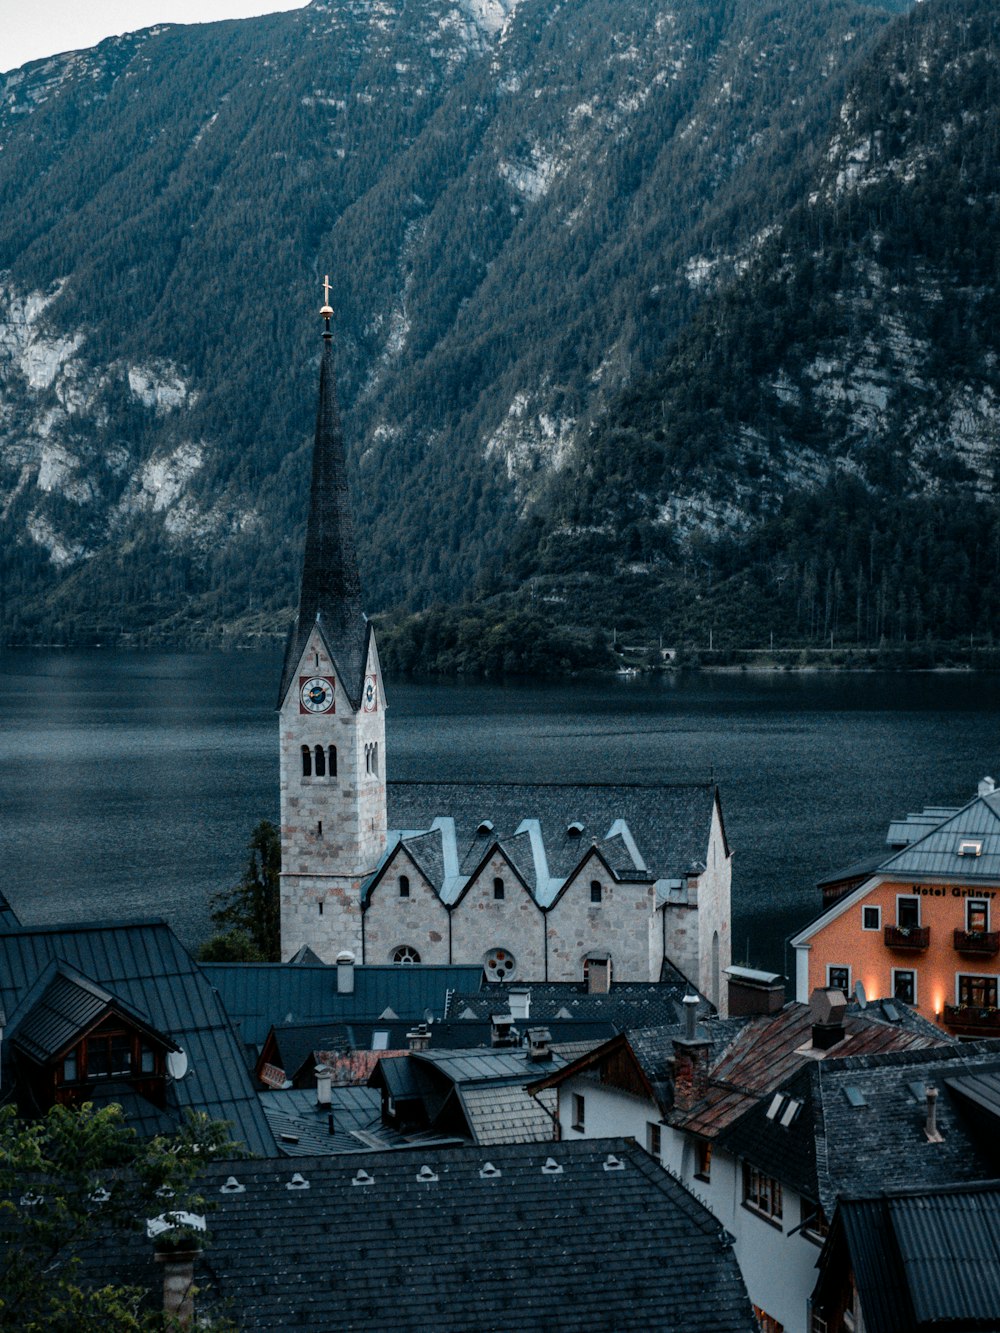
966, 845
330, 591
9, 920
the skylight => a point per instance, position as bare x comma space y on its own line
970, 847
790, 1112
775, 1107
917, 1090
855, 1096
380, 1041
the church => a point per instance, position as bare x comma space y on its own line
535, 882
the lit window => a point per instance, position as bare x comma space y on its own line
579, 1113
767, 1323
977, 916
977, 992
761, 1192
595, 891
498, 889
405, 954
654, 1139
904, 985
703, 1159
871, 918
838, 977
404, 886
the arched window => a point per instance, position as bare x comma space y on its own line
320, 762
404, 886
404, 954
375, 758
498, 888
716, 979
596, 892
331, 760
307, 765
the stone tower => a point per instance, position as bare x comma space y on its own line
332, 716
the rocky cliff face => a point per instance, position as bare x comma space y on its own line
520, 205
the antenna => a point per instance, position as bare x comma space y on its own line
859, 995
177, 1065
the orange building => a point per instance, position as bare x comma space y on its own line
924, 927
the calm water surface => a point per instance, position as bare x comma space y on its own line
129, 782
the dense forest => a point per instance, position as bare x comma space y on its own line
673, 323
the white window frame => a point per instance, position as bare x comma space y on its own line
871, 907
916, 984
916, 898
968, 903
839, 967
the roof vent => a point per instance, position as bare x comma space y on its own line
828, 1007
323, 1080
613, 1163
987, 786
156, 1226
551, 1167
31, 1200
363, 1178
574, 830
931, 1131
425, 1176
490, 1172
485, 828
99, 1196
232, 1186
297, 1182
539, 1044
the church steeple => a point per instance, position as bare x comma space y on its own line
330, 591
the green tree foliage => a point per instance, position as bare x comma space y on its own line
250, 913
70, 1183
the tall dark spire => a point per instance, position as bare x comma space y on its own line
330, 591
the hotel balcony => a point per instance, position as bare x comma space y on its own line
970, 1020
912, 939
978, 943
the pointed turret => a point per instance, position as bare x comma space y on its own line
330, 593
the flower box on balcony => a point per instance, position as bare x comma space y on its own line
972, 1020
983, 943
907, 937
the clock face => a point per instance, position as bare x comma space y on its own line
316, 694
369, 700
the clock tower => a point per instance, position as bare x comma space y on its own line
331, 709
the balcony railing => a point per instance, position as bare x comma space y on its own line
972, 1020
982, 943
907, 937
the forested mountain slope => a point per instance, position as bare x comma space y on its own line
818, 454
520, 204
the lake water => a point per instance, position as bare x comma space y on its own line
129, 782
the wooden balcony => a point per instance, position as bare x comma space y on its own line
908, 939
978, 943
969, 1020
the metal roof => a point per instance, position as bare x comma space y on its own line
937, 852
147, 970
259, 995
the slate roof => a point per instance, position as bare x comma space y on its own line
628, 1004
330, 589
769, 1049
926, 1260
644, 832
301, 1129
936, 853
147, 969
832, 1146
602, 1239
259, 995
507, 1114
9, 920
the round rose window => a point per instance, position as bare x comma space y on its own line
499, 964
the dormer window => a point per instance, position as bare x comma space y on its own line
574, 830
970, 847
485, 828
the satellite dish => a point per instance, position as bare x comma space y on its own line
428, 1015
859, 995
177, 1065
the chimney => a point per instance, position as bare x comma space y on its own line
420, 1038
323, 1080
828, 1008
539, 1047
520, 1002
931, 1131
987, 786
690, 1059
598, 976
178, 1280
752, 992
502, 1030
345, 973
